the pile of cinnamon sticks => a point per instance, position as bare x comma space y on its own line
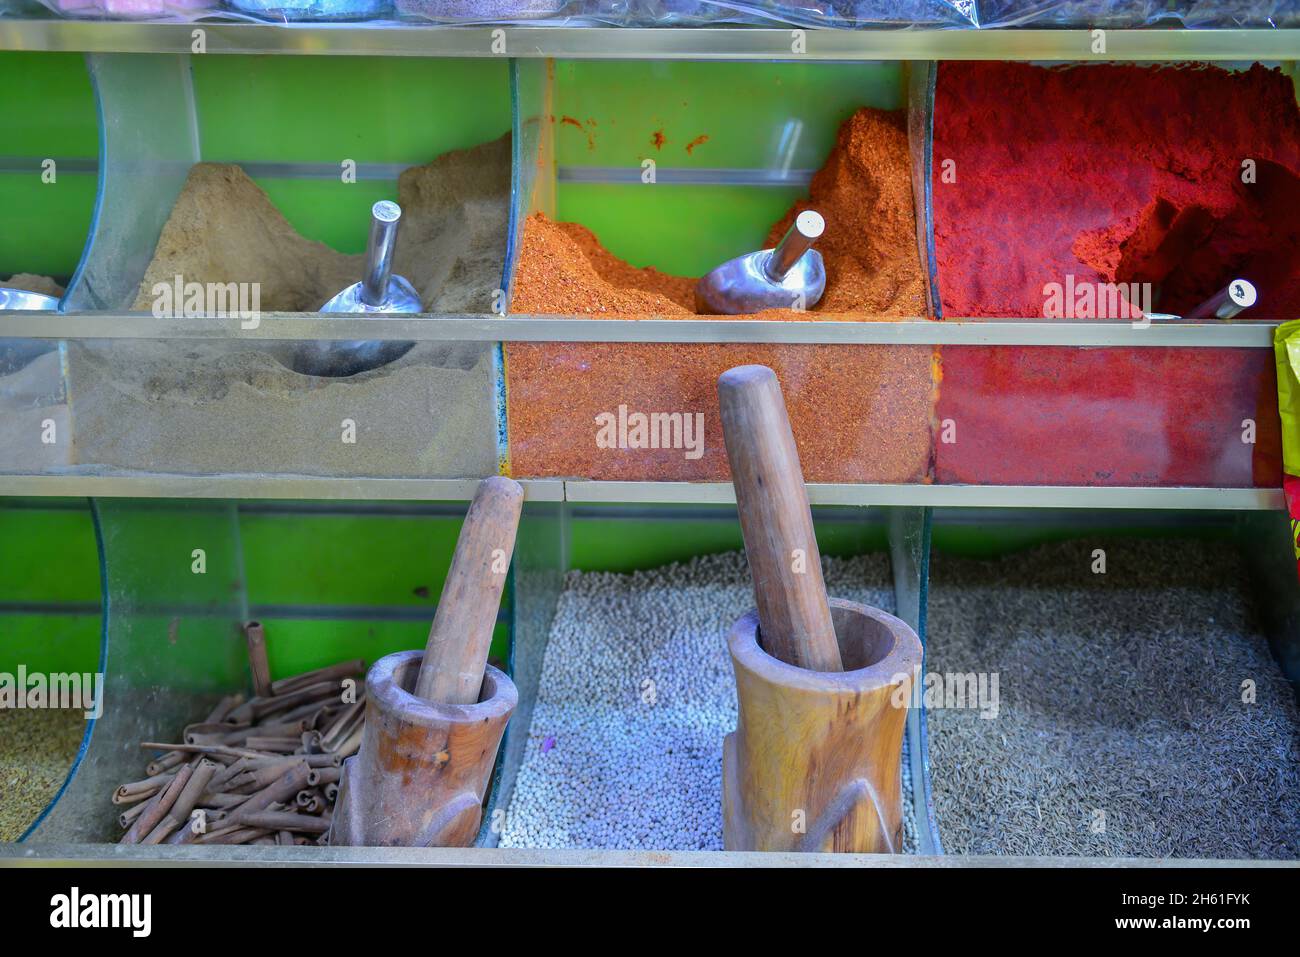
261, 770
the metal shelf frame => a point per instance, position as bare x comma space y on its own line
527, 328
612, 43
306, 487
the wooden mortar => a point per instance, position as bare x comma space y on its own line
423, 770
813, 764
434, 719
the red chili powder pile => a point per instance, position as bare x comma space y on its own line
1181, 177
859, 413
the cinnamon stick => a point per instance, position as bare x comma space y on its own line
139, 790
255, 636
158, 806
179, 813
335, 673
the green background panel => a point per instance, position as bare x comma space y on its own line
745, 109
48, 105
45, 224
347, 559
50, 642
48, 111
628, 544
327, 109
295, 646
47, 552
988, 540
660, 225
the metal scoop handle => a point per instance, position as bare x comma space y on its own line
806, 229
1232, 299
385, 216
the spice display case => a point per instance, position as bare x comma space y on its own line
931, 398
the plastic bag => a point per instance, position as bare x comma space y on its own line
133, 9
1077, 13
1286, 352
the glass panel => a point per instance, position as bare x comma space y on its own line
909, 549
625, 411
1067, 416
209, 407
172, 645
541, 561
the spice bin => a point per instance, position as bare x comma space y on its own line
1112, 232
623, 182
1137, 680
228, 200
152, 690
47, 190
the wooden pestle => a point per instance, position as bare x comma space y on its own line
457, 650
793, 613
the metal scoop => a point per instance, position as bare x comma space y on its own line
379, 292
1233, 299
22, 299
790, 276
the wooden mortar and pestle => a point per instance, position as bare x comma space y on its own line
813, 764
434, 719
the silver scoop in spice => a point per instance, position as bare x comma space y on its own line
22, 299
379, 292
1233, 299
791, 276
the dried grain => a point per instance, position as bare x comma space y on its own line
1122, 731
37, 748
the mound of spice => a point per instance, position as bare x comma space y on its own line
864, 191
859, 413
1183, 178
